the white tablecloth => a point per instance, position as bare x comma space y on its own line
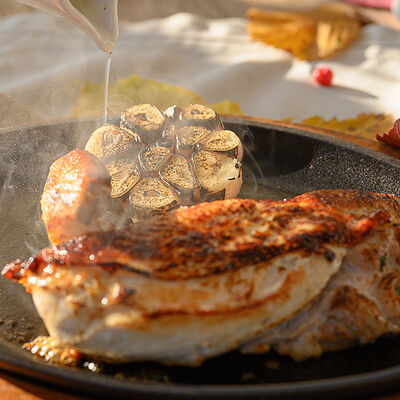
42, 58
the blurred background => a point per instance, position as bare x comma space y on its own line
138, 10
241, 56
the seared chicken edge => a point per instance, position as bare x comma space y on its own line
210, 278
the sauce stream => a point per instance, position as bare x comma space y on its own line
106, 85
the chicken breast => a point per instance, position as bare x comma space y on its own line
76, 196
361, 302
206, 279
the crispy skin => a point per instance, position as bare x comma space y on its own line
354, 202
75, 196
213, 238
206, 279
361, 302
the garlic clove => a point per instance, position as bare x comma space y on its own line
116, 148
215, 172
200, 115
109, 141
151, 158
146, 120
151, 196
223, 141
178, 173
124, 176
188, 136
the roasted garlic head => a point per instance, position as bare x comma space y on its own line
160, 161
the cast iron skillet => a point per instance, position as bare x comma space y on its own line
279, 162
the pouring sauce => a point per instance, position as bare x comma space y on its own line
97, 18
106, 85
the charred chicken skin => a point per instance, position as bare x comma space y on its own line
311, 274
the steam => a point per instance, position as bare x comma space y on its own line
252, 173
34, 238
21, 201
51, 95
117, 101
22, 232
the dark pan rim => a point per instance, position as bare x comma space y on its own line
355, 385
303, 132
369, 383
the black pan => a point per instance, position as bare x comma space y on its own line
279, 162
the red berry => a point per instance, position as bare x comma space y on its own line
323, 76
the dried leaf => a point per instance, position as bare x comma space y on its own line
391, 138
297, 39
226, 107
308, 35
136, 90
364, 125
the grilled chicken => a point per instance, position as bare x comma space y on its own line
361, 302
76, 196
302, 276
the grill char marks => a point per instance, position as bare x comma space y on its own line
211, 238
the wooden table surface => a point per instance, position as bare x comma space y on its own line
16, 388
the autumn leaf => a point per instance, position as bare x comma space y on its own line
136, 90
309, 35
364, 125
391, 138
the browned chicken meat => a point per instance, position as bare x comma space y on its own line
361, 302
76, 196
315, 273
